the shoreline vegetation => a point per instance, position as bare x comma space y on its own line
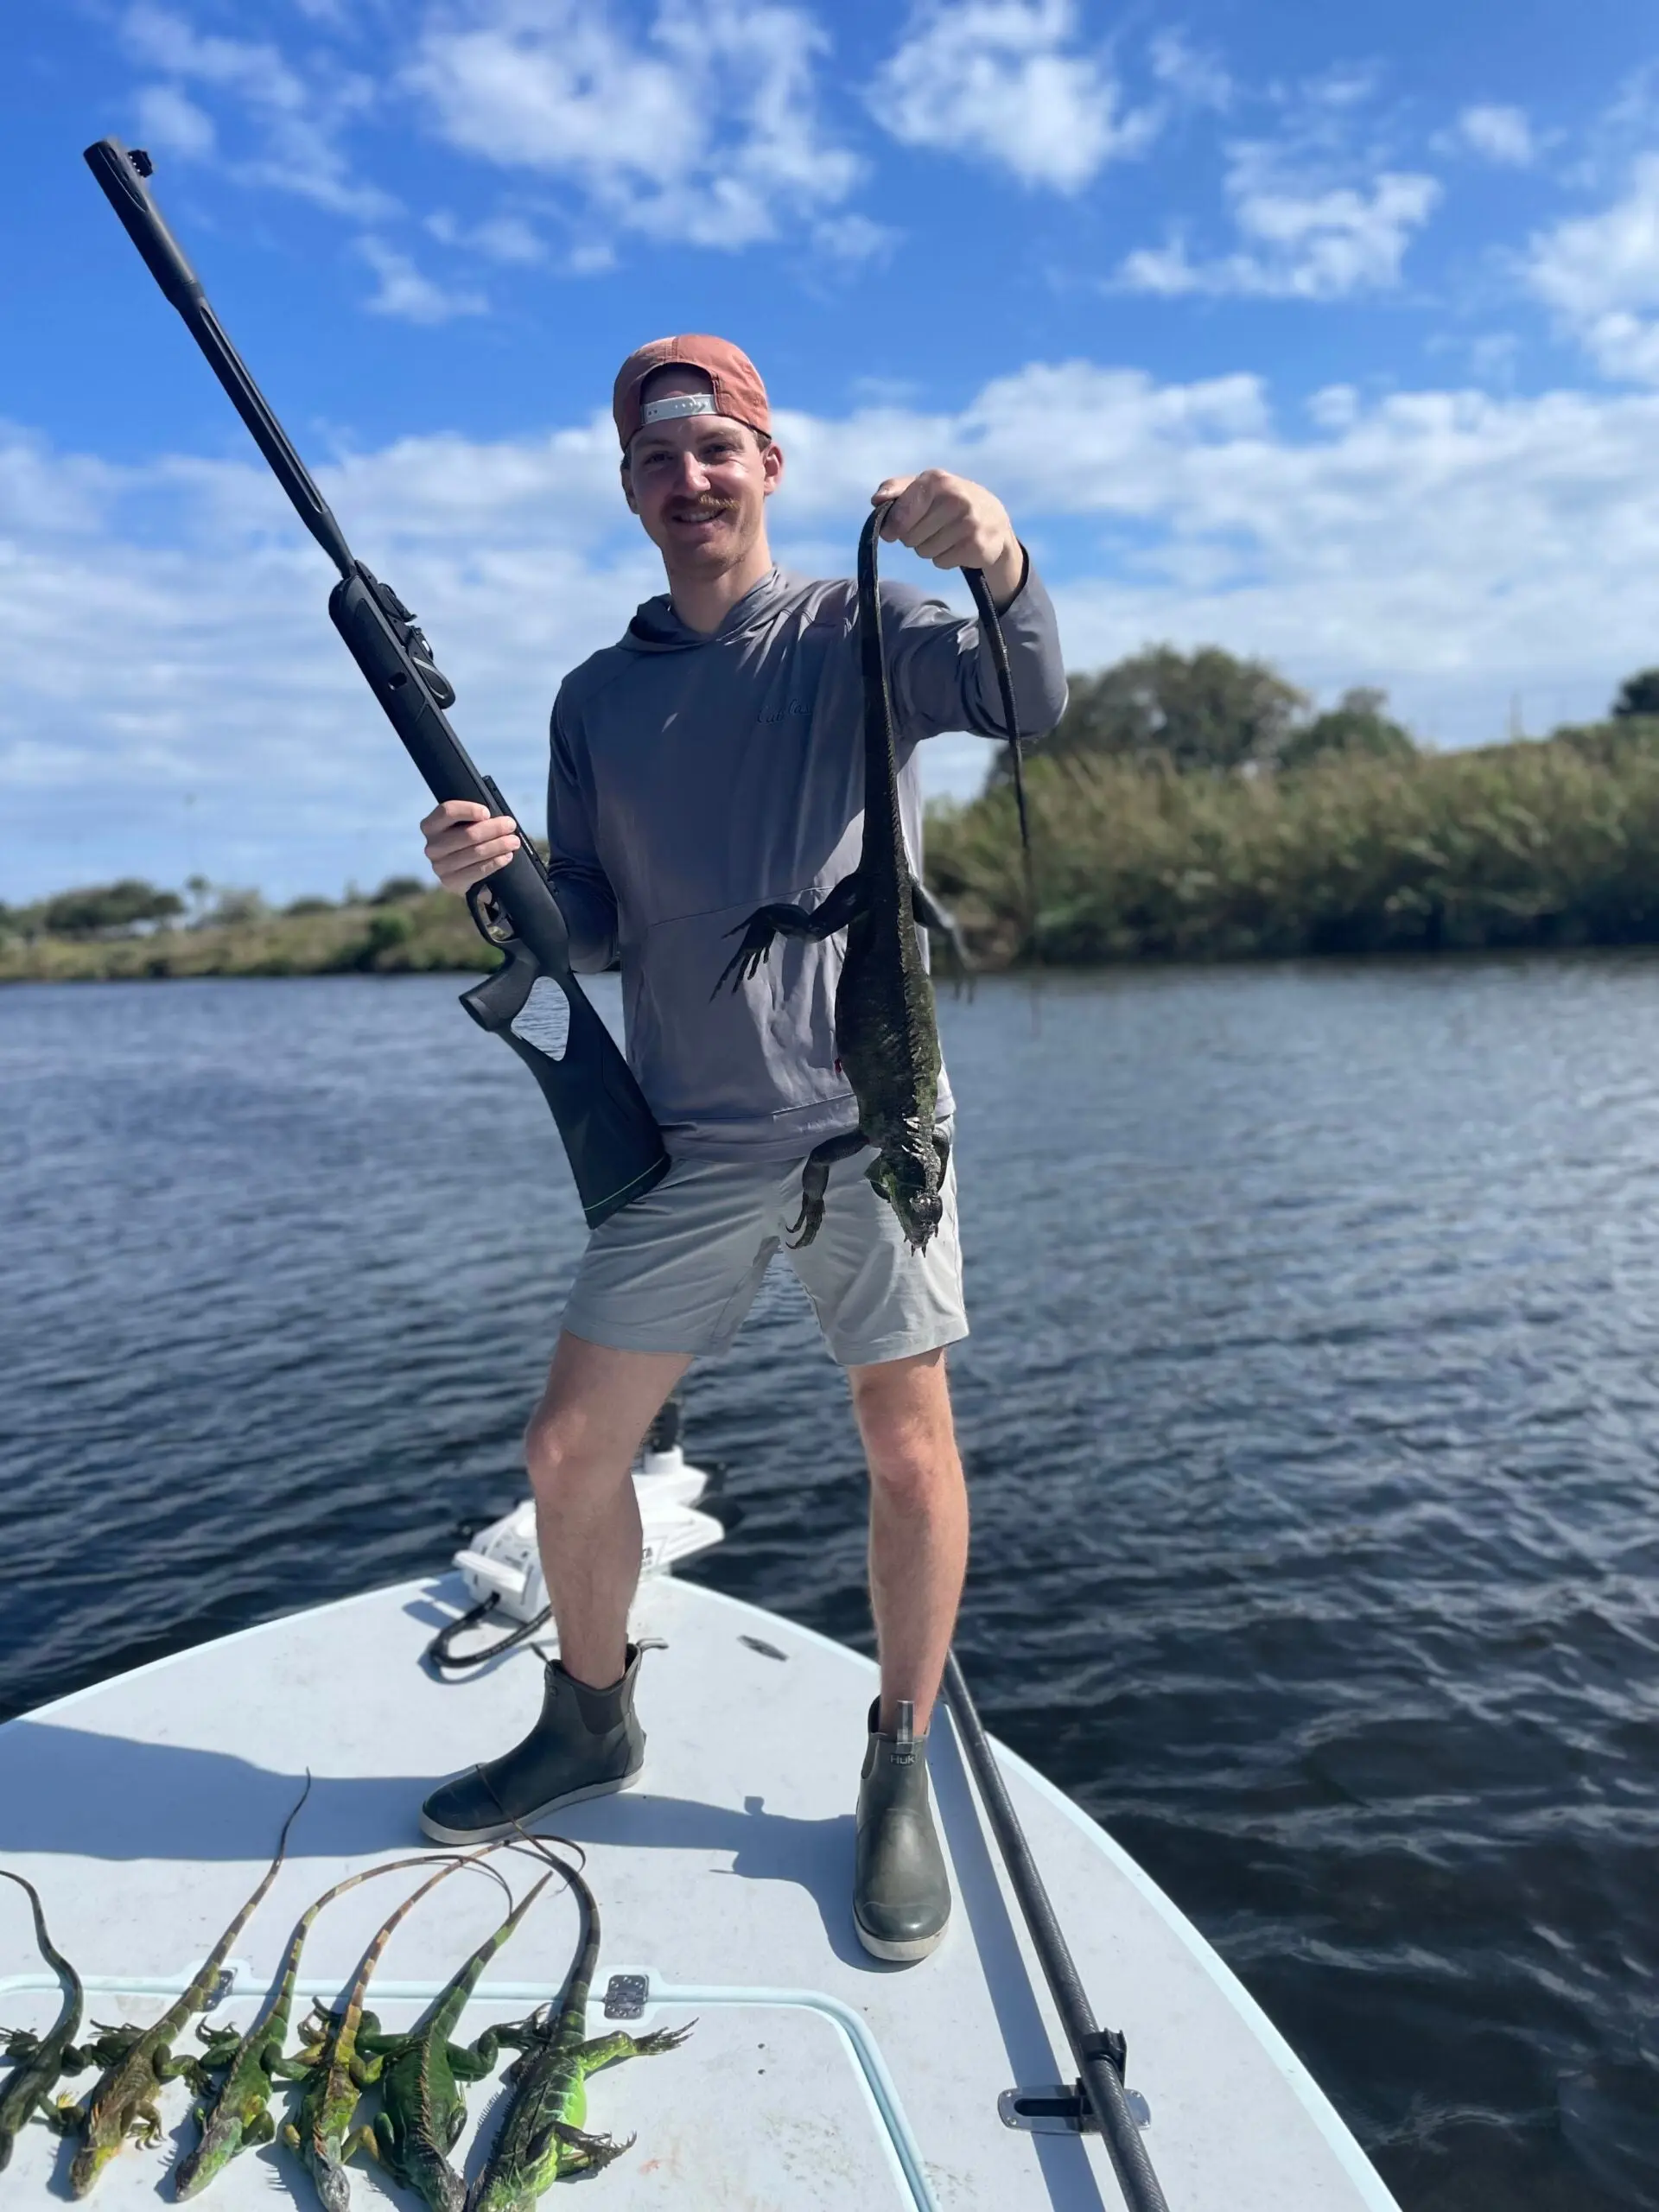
1189, 807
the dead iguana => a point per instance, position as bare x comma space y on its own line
239, 2114
887, 1037
543, 2137
422, 2111
337, 2070
123, 2099
39, 2059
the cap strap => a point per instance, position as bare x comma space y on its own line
670, 410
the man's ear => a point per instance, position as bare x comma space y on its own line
772, 467
628, 487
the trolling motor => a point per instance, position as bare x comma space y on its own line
501, 1564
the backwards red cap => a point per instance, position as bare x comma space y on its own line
738, 391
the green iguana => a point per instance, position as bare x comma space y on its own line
422, 2112
886, 1036
239, 2116
122, 2101
339, 2065
39, 2059
542, 2137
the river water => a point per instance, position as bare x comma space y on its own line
1311, 1414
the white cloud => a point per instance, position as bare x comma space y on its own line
1301, 240
407, 295
1452, 547
1004, 81
1600, 275
1322, 209
1195, 77
848, 241
170, 124
1499, 134
699, 123
299, 120
506, 239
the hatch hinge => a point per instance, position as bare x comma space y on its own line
626, 1995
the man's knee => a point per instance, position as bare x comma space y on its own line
594, 1414
904, 1418
918, 1475
551, 1445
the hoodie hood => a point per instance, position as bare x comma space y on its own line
656, 628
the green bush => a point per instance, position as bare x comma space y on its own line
1543, 843
106, 909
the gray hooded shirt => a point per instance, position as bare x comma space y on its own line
694, 779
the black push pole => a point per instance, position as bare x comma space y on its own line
1092, 2049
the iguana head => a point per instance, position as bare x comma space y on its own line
332, 2186
221, 2138
907, 1176
88, 2163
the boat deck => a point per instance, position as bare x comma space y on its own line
816, 2078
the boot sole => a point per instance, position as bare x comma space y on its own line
494, 1831
903, 1953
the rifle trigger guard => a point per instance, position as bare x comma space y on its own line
488, 919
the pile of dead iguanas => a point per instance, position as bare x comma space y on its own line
418, 2074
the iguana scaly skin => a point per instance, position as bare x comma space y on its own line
239, 2116
886, 1038
422, 2111
542, 2137
39, 2059
123, 2099
337, 2071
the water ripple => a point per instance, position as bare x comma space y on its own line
1311, 1413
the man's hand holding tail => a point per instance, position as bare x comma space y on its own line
954, 524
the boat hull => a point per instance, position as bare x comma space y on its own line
817, 2077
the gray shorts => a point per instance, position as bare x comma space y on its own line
677, 1269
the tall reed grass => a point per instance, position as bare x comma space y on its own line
1549, 843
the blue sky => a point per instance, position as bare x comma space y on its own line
1329, 335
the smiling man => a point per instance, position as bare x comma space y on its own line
708, 763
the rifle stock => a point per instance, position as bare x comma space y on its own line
533, 1003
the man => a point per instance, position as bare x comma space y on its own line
709, 762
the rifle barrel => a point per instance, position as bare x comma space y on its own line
121, 178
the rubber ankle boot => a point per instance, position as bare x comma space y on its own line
901, 1893
587, 1743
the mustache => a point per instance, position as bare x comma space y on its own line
697, 509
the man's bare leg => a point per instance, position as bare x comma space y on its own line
918, 1524
918, 1552
594, 1414
579, 1448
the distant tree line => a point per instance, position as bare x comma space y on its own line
1190, 806
131, 907
1208, 710
1197, 805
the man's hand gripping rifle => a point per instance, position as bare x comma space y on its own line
534, 1001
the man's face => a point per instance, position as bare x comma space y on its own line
699, 483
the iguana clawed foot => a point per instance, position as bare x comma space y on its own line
815, 1184
752, 955
588, 2154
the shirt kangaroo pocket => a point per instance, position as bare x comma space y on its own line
705, 1051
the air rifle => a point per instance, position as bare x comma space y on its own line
533, 1001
